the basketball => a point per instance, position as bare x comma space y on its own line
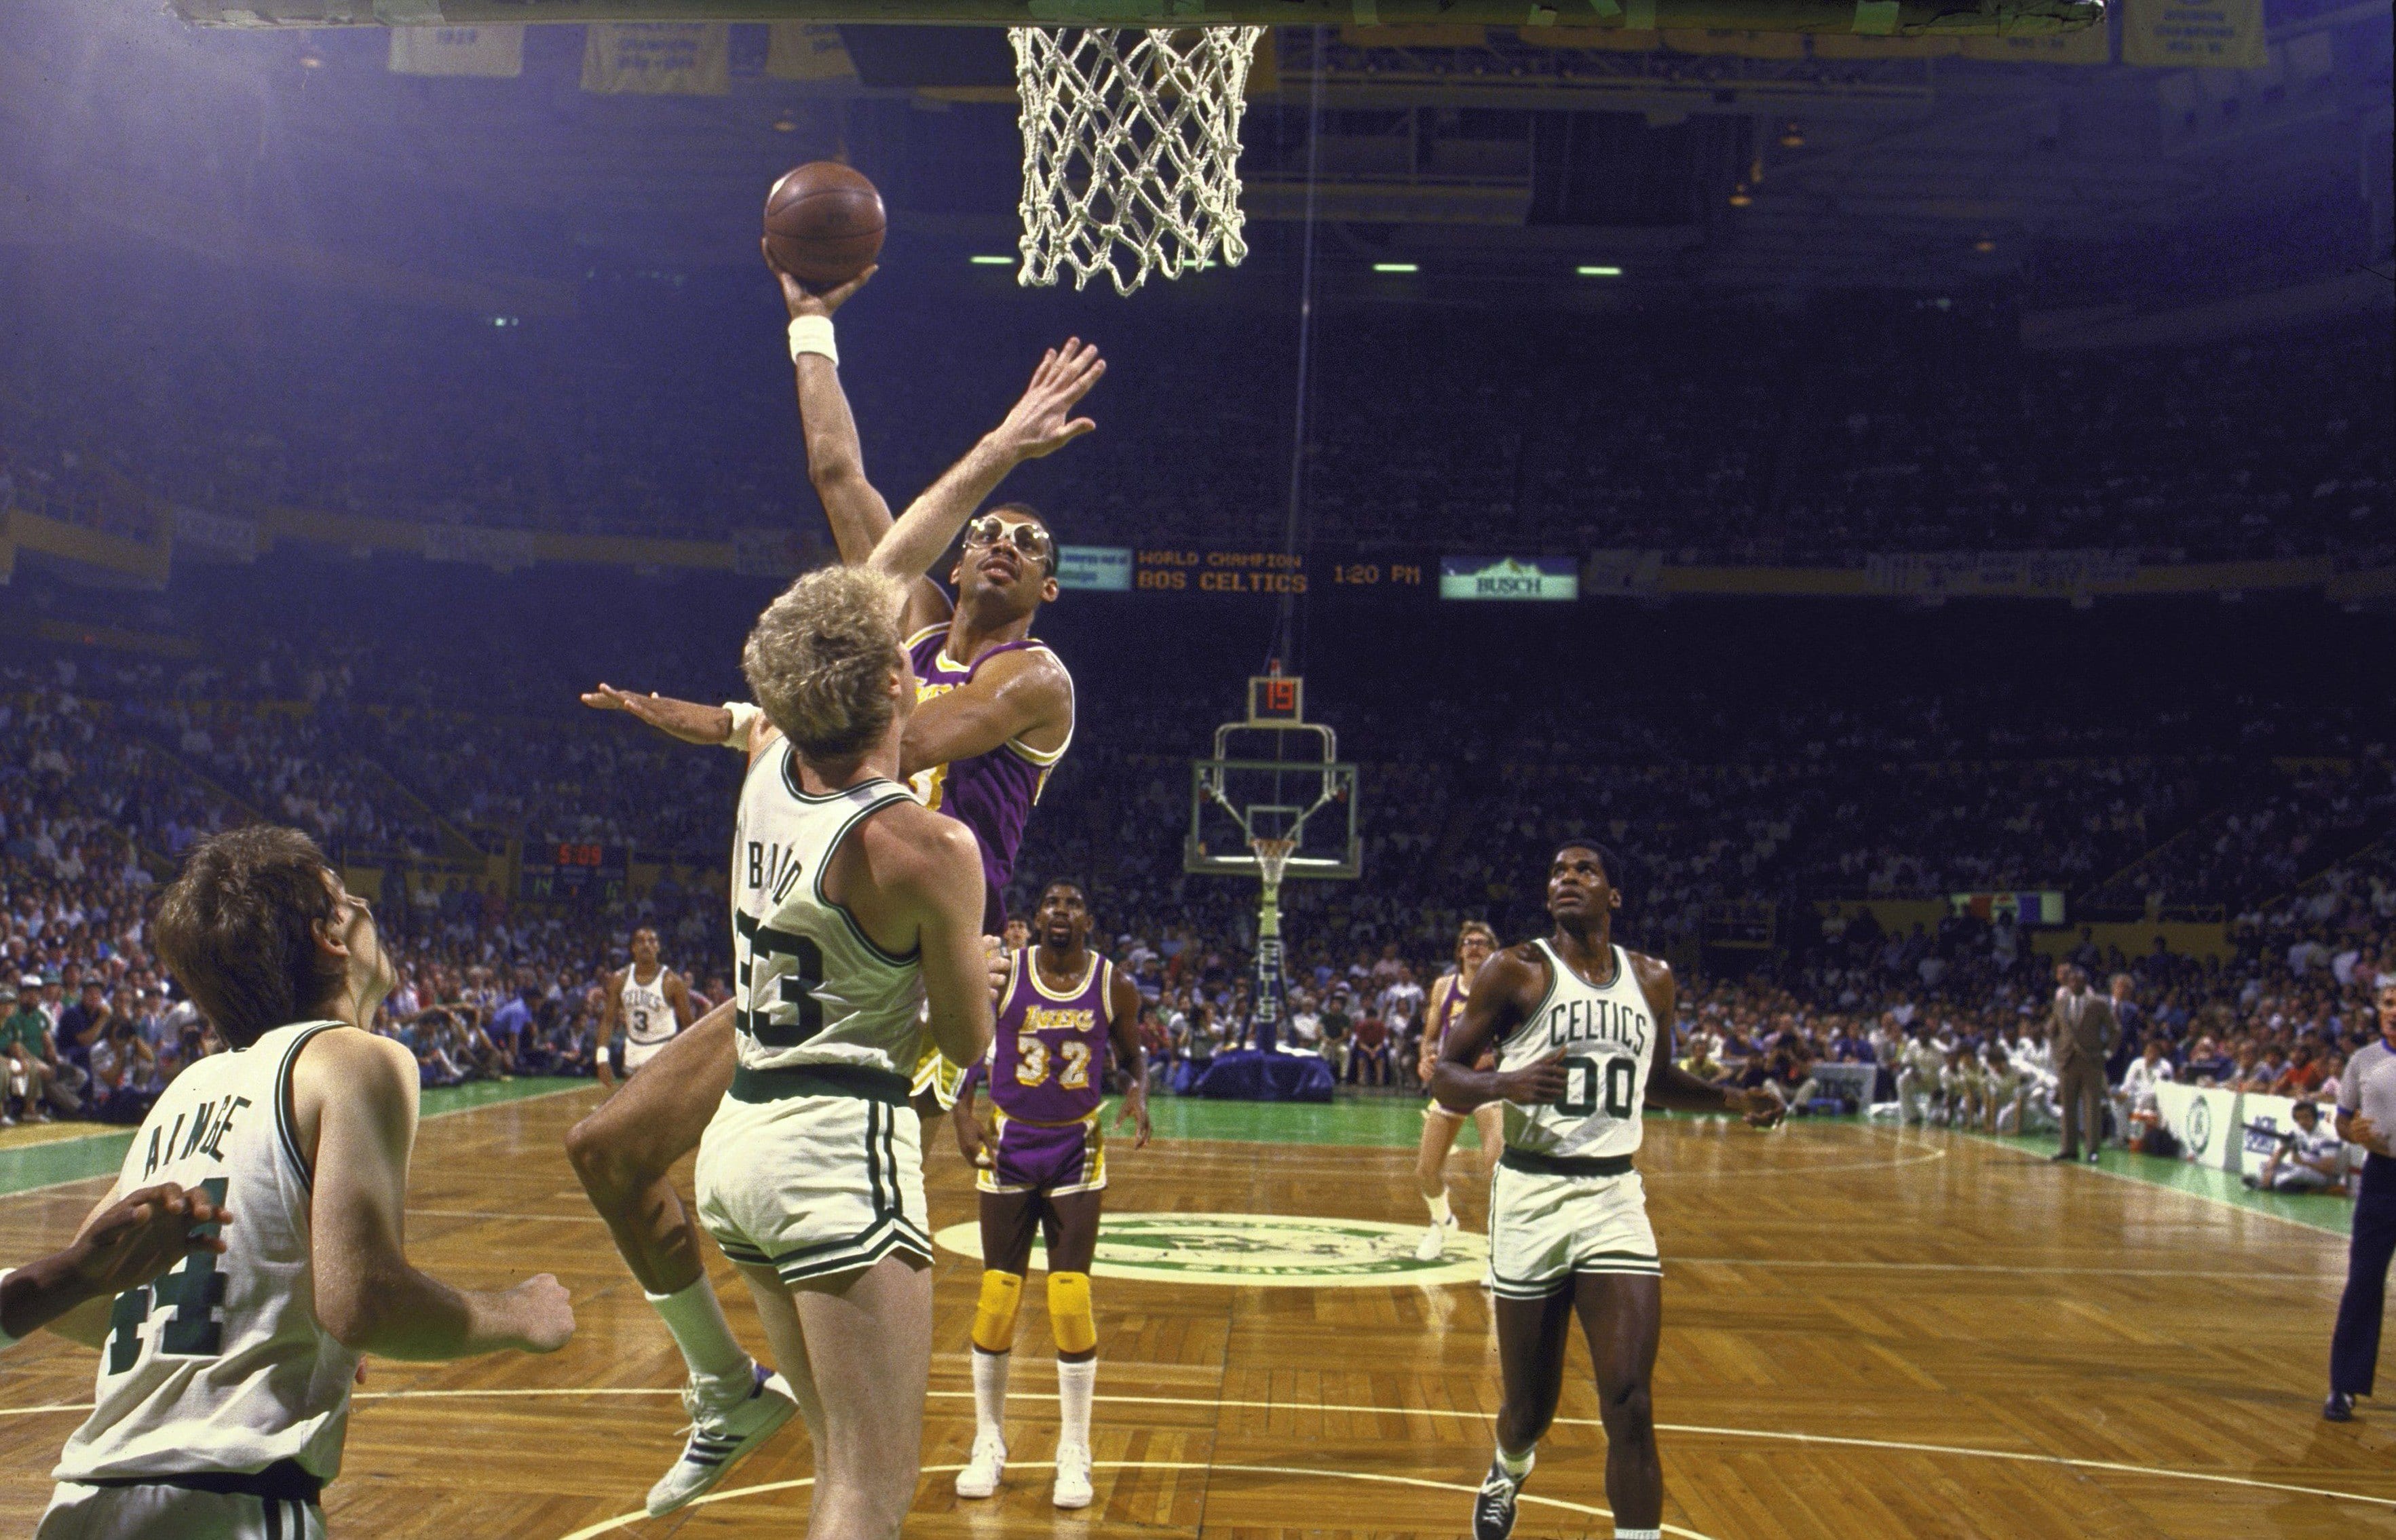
823, 224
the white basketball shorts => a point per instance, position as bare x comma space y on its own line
814, 1172
1544, 1227
79, 1512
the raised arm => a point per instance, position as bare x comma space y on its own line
355, 1098
1041, 423
859, 514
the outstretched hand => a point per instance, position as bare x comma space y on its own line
1135, 1111
799, 299
682, 719
143, 1235
1043, 421
1760, 1108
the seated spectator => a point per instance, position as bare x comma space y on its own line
1368, 1054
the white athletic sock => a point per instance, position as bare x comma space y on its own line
695, 1319
1074, 1384
990, 1394
1516, 1466
1440, 1213
1621, 1533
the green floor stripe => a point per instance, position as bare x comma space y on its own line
2326, 1212
1392, 1121
102, 1152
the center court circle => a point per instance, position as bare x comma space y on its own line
1261, 1250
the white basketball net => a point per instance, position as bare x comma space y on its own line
1273, 858
1131, 150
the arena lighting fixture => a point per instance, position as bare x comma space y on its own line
991, 261
1738, 197
785, 123
1599, 272
312, 59
1792, 137
1396, 267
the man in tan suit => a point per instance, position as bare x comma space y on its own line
2082, 1031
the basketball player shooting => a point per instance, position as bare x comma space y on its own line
1062, 1007
856, 925
1583, 1033
999, 703
223, 1392
643, 1006
624, 1151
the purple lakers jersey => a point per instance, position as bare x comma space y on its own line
1448, 994
1047, 1060
992, 793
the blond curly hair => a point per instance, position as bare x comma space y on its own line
820, 661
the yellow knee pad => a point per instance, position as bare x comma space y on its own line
1068, 1312
1002, 1295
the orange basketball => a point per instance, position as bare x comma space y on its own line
823, 224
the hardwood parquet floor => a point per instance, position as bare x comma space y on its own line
1868, 1334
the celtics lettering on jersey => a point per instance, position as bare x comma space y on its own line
1608, 1035
648, 1018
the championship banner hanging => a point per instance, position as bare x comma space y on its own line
807, 50
658, 57
496, 52
2221, 34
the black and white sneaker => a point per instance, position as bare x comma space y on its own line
722, 1435
1493, 1506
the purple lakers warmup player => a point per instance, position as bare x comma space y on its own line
1046, 1170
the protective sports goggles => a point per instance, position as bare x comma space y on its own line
1028, 539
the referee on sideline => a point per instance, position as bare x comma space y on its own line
2366, 1115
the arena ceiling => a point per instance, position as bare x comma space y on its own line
1489, 149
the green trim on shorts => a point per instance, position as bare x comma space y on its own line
819, 1079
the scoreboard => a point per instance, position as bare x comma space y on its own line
573, 872
1234, 574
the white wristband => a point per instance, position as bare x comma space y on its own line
812, 334
744, 717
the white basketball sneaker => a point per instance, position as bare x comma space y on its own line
1074, 1489
1434, 1240
721, 1436
980, 1478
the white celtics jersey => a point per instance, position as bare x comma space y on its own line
1608, 1038
648, 1018
220, 1365
809, 985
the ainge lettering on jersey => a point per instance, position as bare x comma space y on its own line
210, 1125
1597, 1020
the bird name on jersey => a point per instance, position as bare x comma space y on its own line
209, 1127
773, 868
1598, 1020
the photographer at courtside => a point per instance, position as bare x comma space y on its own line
2305, 1158
2366, 1115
